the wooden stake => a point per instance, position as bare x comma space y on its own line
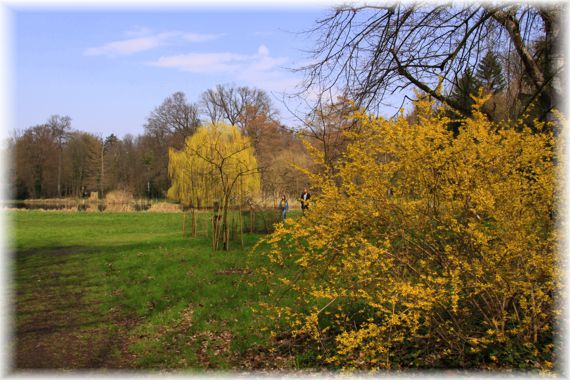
240, 226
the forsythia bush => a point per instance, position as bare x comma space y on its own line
428, 251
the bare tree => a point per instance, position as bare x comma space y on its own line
210, 104
82, 162
35, 162
174, 120
60, 127
277, 149
167, 126
373, 52
234, 104
324, 128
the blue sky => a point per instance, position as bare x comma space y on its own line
108, 70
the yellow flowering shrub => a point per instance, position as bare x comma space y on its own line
428, 251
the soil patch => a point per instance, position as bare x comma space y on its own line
57, 326
234, 271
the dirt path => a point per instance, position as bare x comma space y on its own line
57, 325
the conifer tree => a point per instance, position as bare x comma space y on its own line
490, 74
464, 88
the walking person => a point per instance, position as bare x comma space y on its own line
305, 196
283, 207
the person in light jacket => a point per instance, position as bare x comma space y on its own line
283, 207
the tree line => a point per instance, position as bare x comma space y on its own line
53, 159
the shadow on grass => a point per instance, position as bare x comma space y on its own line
78, 306
63, 319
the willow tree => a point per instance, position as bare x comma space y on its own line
215, 162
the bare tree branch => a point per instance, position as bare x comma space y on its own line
371, 53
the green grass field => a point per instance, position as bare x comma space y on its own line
127, 290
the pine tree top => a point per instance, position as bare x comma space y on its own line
490, 73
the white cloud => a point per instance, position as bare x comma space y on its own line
125, 47
221, 62
259, 69
263, 51
203, 62
142, 42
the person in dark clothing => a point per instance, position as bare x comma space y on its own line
305, 196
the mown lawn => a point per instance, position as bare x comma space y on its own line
127, 290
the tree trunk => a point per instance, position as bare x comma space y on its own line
225, 221
240, 226
215, 231
101, 179
544, 90
59, 174
193, 222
